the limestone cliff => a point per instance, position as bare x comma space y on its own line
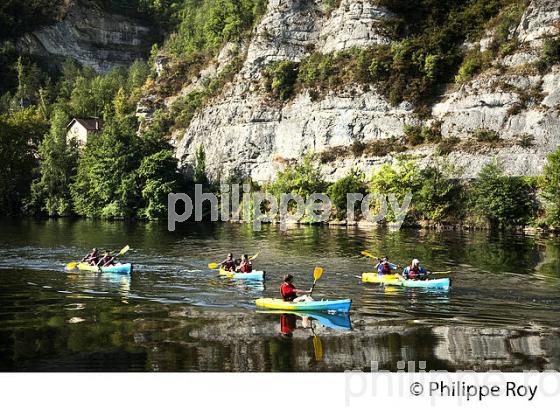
246, 132
92, 36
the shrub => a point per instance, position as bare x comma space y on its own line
550, 54
486, 135
501, 200
432, 133
440, 195
447, 145
358, 148
398, 178
413, 134
354, 182
382, 147
525, 140
302, 179
550, 185
474, 62
280, 78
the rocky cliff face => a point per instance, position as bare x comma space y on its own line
92, 36
245, 132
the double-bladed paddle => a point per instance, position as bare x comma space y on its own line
317, 273
72, 265
217, 265
370, 255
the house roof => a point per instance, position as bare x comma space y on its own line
90, 124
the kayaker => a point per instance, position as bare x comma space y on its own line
290, 293
245, 266
415, 271
106, 260
384, 267
288, 323
92, 258
229, 264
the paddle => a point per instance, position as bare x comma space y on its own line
72, 265
369, 255
317, 273
317, 345
217, 265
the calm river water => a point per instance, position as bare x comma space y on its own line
174, 314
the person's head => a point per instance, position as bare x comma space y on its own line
230, 256
288, 278
384, 259
415, 263
246, 257
94, 251
243, 258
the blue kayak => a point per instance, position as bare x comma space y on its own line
342, 305
255, 275
338, 321
123, 268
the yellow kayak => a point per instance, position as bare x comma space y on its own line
342, 305
395, 280
373, 277
125, 268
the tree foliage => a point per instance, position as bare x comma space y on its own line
550, 184
20, 134
303, 179
501, 200
58, 161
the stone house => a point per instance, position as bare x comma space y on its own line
81, 128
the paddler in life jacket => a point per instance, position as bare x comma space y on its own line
245, 266
229, 264
92, 258
290, 293
384, 267
106, 260
415, 271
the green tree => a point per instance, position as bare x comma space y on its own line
20, 133
158, 177
440, 196
501, 200
50, 192
399, 179
550, 185
302, 179
352, 183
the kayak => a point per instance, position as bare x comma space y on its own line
124, 268
340, 321
342, 305
255, 275
394, 280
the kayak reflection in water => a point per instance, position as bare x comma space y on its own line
288, 323
290, 293
415, 271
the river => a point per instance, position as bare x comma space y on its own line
174, 314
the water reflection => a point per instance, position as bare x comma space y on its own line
173, 314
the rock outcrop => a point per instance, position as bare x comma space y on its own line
257, 135
92, 36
